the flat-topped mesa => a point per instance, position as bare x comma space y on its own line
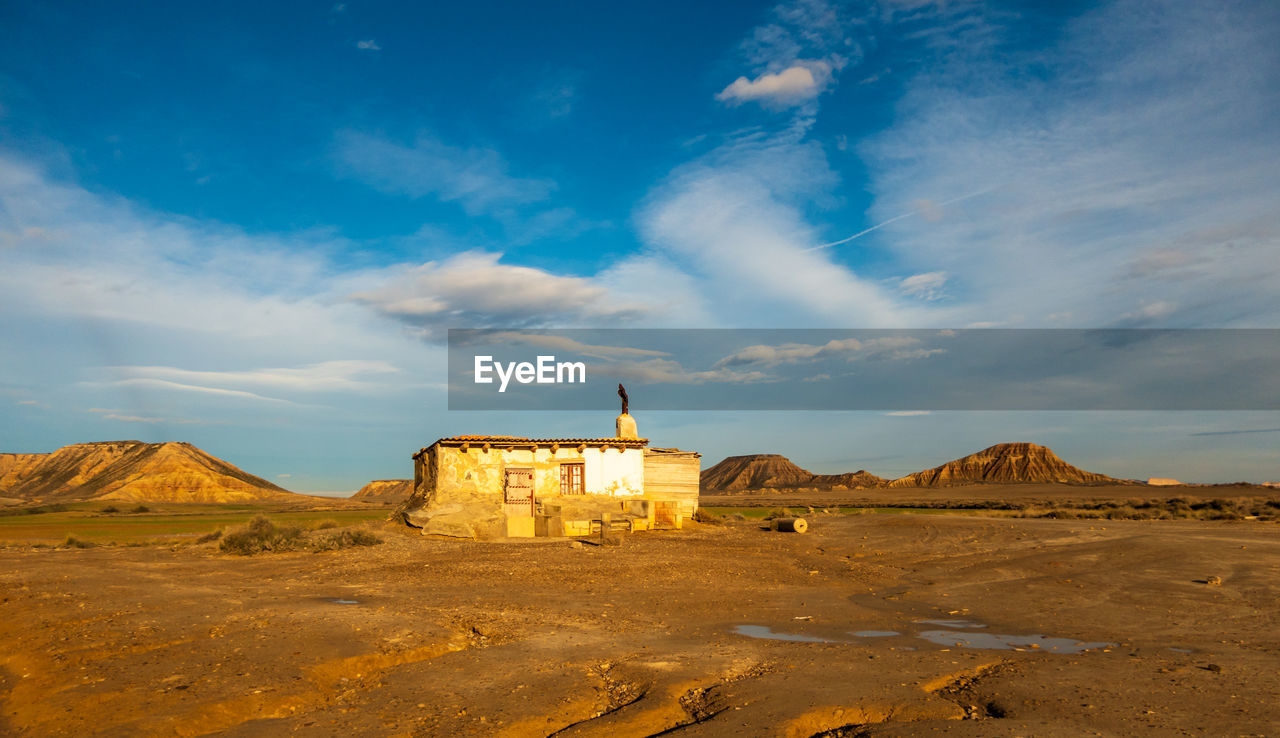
1005, 463
392, 490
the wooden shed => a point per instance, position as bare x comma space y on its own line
670, 473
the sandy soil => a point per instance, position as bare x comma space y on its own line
437, 637
1045, 495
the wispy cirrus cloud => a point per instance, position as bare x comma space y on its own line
1129, 184
735, 219
368, 45
349, 375
124, 417
476, 178
851, 349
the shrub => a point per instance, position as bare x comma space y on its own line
780, 512
326, 524
262, 535
140, 509
207, 537
34, 510
345, 539
73, 542
702, 515
110, 509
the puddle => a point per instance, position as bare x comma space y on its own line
1180, 650
949, 638
992, 641
338, 601
764, 631
952, 623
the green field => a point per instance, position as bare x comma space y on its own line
161, 524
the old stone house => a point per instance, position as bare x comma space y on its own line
508, 486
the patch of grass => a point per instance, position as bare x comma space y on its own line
73, 542
210, 537
187, 521
326, 524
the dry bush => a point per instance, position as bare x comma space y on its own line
73, 542
208, 537
702, 515
345, 539
261, 536
109, 509
139, 509
780, 512
326, 524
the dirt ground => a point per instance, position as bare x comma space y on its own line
438, 637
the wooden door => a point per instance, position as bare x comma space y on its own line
518, 492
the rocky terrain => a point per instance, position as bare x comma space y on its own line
885, 625
133, 471
385, 490
1004, 463
774, 471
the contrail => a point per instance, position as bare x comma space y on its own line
895, 219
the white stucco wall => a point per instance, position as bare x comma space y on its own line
612, 472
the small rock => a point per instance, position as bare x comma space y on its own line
1214, 581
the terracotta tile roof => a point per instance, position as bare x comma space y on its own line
480, 440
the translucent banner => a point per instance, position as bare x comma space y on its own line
836, 369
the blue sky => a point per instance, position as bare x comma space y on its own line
248, 225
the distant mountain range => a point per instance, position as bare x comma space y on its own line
1003, 463
131, 471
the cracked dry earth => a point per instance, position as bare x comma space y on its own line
438, 637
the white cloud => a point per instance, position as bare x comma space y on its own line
475, 178
368, 45
926, 286
792, 86
476, 290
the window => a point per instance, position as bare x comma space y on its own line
571, 479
